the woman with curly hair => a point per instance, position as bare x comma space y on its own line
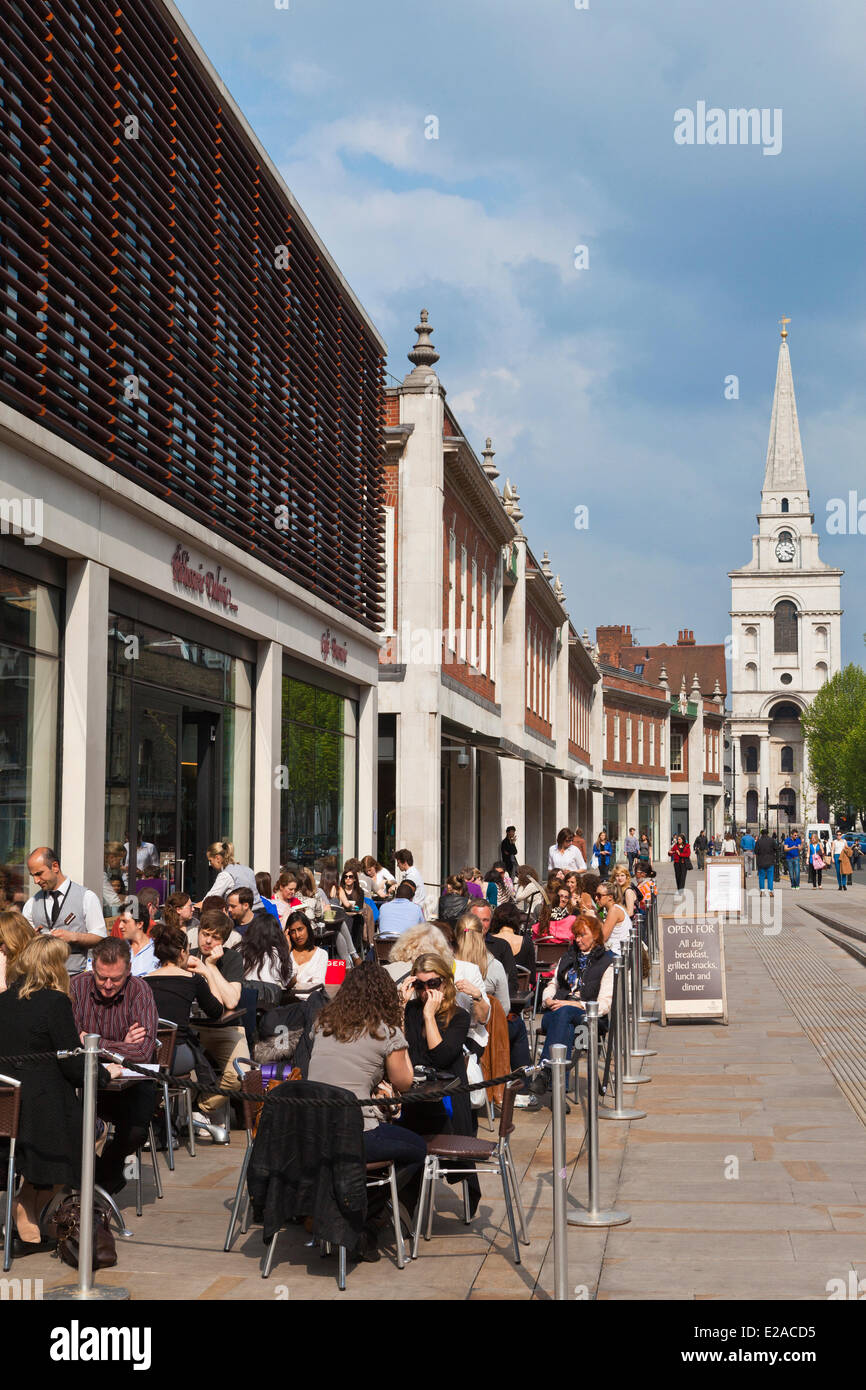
427, 936
358, 1043
15, 933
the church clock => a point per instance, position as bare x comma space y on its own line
785, 548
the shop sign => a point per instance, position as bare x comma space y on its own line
331, 649
206, 583
692, 955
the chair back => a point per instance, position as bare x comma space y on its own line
383, 948
506, 1114
252, 1091
166, 1043
10, 1107
550, 952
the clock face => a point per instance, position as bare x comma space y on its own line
785, 550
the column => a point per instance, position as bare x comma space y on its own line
85, 683
461, 850
501, 794
368, 763
631, 814
419, 791
764, 780
513, 808
561, 810
269, 776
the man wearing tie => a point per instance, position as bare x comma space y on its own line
63, 909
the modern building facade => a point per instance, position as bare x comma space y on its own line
191, 469
489, 703
786, 632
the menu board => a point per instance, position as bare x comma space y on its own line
692, 957
725, 885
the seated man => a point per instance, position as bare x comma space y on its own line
239, 906
223, 968
110, 1001
400, 913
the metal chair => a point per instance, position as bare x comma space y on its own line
381, 1174
10, 1114
382, 947
484, 1155
173, 1088
151, 1135
547, 956
252, 1099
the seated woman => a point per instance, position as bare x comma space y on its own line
623, 892
358, 1043
584, 973
615, 923
506, 926
472, 950
176, 989
350, 897
436, 1029
381, 878
557, 917
475, 885
455, 900
286, 1032
414, 942
500, 888
309, 962
528, 892
15, 933
268, 965
266, 893
36, 1016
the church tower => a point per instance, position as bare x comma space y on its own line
785, 629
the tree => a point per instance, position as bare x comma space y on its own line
834, 727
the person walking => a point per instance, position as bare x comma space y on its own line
842, 861
681, 855
631, 847
602, 853
765, 858
793, 845
817, 863
747, 850
508, 851
700, 848
230, 874
63, 909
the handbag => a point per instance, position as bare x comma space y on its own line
817, 862
475, 1076
65, 1225
688, 862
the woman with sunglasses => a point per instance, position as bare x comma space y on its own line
623, 890
556, 917
614, 920
436, 1030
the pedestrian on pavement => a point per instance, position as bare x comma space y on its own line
602, 853
681, 855
765, 857
842, 861
729, 846
792, 846
816, 860
645, 850
747, 849
631, 847
508, 851
700, 848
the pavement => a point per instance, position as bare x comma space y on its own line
746, 1179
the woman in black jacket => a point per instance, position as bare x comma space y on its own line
36, 1016
455, 901
584, 973
765, 861
176, 989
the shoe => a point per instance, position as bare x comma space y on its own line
538, 1086
20, 1247
368, 1248
526, 1102
218, 1133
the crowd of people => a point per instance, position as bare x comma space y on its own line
771, 856
345, 975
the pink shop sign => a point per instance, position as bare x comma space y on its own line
209, 584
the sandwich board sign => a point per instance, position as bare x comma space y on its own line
692, 961
725, 885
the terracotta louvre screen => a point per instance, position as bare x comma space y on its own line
165, 310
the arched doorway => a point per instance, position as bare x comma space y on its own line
752, 807
788, 799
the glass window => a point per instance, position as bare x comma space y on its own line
785, 627
317, 806
29, 700
676, 752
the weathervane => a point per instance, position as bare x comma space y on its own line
783, 321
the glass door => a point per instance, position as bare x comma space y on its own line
199, 797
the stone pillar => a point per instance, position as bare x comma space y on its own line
764, 779
502, 803
461, 849
512, 807
631, 813
85, 685
535, 847
561, 804
269, 777
596, 799
368, 765
419, 744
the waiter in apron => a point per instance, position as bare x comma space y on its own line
63, 909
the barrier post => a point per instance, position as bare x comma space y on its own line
620, 1110
652, 943
558, 1066
592, 1214
630, 1077
85, 1288
637, 998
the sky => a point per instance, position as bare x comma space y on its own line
600, 374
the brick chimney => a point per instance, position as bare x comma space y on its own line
611, 640
686, 638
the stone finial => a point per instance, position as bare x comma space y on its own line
587, 640
516, 513
545, 566
663, 677
488, 454
423, 353
718, 697
696, 688
683, 682
506, 497
558, 591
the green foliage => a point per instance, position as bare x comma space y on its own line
835, 730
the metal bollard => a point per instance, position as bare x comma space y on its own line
620, 1110
85, 1288
592, 1214
652, 944
630, 1077
636, 999
558, 1067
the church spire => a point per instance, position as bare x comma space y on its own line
785, 469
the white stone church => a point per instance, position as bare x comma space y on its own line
785, 627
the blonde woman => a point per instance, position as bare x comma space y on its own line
230, 874
15, 933
413, 942
472, 948
36, 1016
623, 893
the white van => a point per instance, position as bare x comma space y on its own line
823, 829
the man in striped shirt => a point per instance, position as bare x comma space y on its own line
110, 1001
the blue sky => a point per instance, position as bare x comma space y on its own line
601, 386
